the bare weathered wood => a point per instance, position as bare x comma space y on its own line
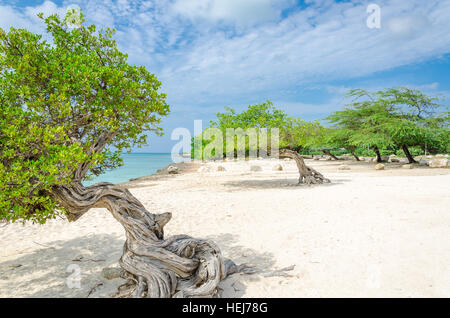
179, 266
279, 272
307, 174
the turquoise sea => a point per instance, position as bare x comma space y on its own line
135, 165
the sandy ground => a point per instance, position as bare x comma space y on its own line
367, 234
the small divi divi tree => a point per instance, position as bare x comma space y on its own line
65, 102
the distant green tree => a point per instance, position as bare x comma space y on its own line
312, 136
258, 116
293, 134
439, 134
263, 115
397, 117
340, 138
300, 135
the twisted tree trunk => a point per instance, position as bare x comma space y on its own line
307, 174
328, 152
179, 266
408, 154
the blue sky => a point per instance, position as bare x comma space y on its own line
302, 55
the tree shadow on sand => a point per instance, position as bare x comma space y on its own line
280, 183
262, 262
49, 271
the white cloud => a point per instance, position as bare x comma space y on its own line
321, 43
27, 17
307, 110
47, 8
243, 13
429, 87
407, 26
342, 90
9, 17
215, 51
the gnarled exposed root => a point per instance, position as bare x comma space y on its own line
179, 266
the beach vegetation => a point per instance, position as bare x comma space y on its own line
70, 104
392, 119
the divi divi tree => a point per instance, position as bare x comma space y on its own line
66, 101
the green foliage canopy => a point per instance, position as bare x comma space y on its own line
260, 116
68, 108
396, 117
263, 115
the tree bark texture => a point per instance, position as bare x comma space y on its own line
179, 266
307, 174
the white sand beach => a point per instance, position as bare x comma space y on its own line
367, 234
